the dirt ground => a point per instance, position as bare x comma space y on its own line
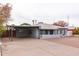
70, 41
68, 46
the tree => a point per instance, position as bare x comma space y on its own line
5, 11
61, 23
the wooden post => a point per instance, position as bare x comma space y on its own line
11, 34
1, 49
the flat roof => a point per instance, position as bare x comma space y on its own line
26, 26
42, 26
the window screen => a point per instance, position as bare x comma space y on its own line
51, 31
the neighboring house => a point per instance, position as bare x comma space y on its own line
70, 31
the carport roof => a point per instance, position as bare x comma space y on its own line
27, 26
42, 26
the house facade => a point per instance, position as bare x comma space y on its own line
40, 30
43, 31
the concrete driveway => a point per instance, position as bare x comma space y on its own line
38, 47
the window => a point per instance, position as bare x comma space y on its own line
46, 31
57, 32
60, 31
41, 32
51, 31
63, 32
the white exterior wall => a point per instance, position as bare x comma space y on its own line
35, 33
49, 36
69, 33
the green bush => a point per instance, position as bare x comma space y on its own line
76, 31
2, 29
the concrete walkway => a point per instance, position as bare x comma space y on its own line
38, 47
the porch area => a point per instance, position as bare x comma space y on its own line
53, 33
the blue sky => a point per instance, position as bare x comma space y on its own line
48, 11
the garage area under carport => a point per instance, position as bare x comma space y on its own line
27, 31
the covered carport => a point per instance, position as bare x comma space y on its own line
27, 31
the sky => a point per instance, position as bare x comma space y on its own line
48, 11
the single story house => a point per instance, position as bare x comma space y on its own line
40, 30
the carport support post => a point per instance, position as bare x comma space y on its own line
8, 29
11, 33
